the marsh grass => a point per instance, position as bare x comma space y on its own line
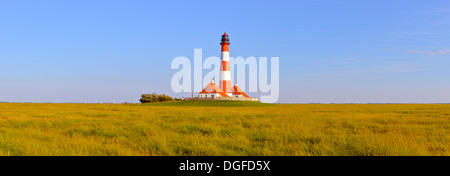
223, 128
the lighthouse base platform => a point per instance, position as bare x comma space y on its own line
222, 99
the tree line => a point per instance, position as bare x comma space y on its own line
151, 98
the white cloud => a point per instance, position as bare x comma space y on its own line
400, 68
431, 53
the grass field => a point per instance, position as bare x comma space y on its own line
224, 128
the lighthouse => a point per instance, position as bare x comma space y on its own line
225, 75
224, 91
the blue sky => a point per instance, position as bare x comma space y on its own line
331, 51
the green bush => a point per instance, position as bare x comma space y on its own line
150, 98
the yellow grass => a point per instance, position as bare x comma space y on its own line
164, 129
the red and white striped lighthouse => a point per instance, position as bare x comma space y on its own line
224, 91
225, 79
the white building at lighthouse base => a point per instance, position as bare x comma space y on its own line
213, 92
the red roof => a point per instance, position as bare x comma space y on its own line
238, 91
223, 94
213, 88
224, 34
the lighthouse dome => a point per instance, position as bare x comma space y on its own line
225, 39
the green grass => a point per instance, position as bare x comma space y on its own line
223, 128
